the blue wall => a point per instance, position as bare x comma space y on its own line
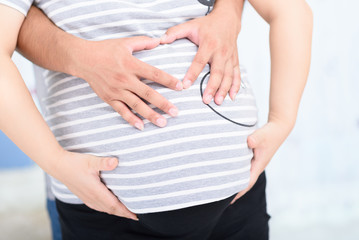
10, 155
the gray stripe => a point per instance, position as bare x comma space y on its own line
219, 146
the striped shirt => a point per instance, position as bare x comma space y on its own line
199, 157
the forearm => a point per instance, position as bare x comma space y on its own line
45, 44
290, 45
21, 121
291, 24
19, 117
232, 8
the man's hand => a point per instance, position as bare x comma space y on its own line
114, 74
216, 35
108, 66
81, 174
265, 142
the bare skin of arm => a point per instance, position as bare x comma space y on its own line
113, 73
23, 124
291, 24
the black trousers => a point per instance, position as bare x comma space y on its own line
246, 219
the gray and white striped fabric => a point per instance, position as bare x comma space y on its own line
198, 158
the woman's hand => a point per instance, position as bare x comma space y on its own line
216, 35
265, 142
114, 74
81, 174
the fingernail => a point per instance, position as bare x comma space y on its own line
179, 86
161, 122
163, 37
235, 95
111, 162
208, 99
186, 83
139, 126
173, 112
220, 100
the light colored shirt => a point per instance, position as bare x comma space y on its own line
199, 157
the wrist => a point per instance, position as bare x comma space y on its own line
231, 9
78, 59
56, 165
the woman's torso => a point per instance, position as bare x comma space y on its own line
198, 157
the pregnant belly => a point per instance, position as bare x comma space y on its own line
198, 157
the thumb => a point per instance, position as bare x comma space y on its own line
255, 139
106, 164
177, 32
140, 43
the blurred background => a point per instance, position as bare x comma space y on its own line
313, 180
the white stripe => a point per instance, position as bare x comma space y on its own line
70, 100
63, 195
102, 105
47, 3
59, 185
74, 99
95, 14
85, 85
76, 110
27, 3
50, 76
182, 167
127, 22
142, 134
175, 155
62, 81
178, 141
67, 90
182, 113
145, 121
88, 4
167, 55
173, 45
174, 181
152, 33
153, 209
185, 192
101, 117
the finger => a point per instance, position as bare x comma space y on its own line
225, 84
149, 72
236, 83
235, 57
103, 164
135, 103
140, 43
153, 97
177, 32
127, 114
217, 70
199, 62
106, 201
251, 183
239, 195
255, 139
